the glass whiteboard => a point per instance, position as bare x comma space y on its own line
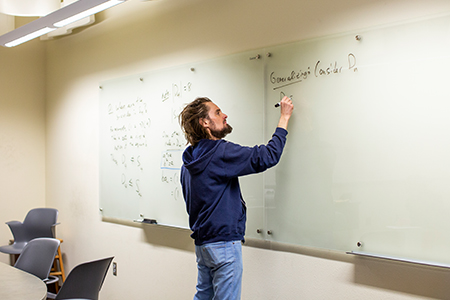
367, 158
366, 162
141, 141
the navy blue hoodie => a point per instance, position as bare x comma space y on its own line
209, 178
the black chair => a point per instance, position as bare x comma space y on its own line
84, 281
39, 222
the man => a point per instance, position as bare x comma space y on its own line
209, 178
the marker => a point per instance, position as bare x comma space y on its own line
279, 103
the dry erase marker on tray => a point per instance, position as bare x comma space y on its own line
149, 221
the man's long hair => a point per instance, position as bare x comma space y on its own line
189, 120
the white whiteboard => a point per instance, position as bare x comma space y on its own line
141, 142
368, 155
367, 158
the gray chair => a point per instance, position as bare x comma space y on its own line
84, 281
39, 222
37, 257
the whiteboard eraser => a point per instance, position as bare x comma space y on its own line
149, 221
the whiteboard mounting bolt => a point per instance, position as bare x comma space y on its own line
359, 244
268, 54
358, 37
192, 69
141, 215
269, 232
258, 230
114, 268
141, 79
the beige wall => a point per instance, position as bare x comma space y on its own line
22, 133
139, 36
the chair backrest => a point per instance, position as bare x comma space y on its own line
85, 280
39, 222
37, 257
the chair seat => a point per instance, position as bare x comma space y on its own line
15, 248
39, 222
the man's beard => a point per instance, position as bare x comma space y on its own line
220, 134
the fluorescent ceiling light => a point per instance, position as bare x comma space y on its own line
59, 18
29, 36
29, 8
88, 12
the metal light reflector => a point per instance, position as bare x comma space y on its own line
59, 18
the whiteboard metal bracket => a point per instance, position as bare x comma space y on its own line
398, 259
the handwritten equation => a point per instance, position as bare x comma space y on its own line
173, 140
131, 183
171, 179
129, 125
142, 142
176, 91
320, 69
171, 159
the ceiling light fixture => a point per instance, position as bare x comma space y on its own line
29, 36
59, 18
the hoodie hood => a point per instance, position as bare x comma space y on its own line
197, 158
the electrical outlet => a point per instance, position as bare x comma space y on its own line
114, 268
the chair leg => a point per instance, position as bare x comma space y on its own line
13, 257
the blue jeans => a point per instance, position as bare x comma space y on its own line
219, 271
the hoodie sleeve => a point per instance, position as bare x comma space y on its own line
239, 160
